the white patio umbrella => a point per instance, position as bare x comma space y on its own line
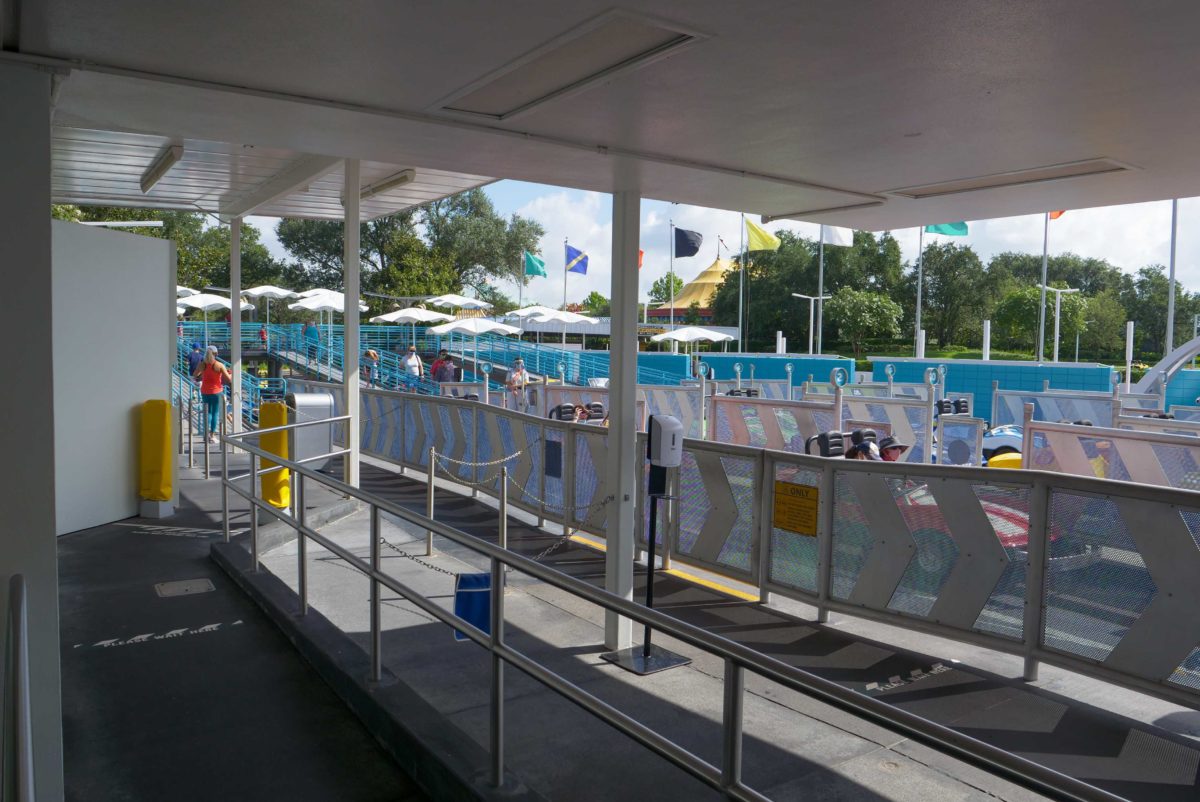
208, 302
452, 299
269, 292
532, 311
183, 292
475, 326
691, 334
326, 301
563, 317
413, 315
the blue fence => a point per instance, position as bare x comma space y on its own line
976, 376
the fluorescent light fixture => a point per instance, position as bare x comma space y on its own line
1033, 175
398, 180
159, 167
602, 49
127, 223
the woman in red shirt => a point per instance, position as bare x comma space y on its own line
213, 376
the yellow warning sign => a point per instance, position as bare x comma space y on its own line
796, 508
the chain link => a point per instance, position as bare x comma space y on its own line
384, 541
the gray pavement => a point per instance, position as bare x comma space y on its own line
796, 748
198, 696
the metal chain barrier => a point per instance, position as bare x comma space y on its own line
384, 541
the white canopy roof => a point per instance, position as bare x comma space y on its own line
183, 292
691, 334
475, 325
209, 302
269, 291
531, 311
328, 301
452, 299
559, 316
412, 314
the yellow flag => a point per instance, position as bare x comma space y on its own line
759, 239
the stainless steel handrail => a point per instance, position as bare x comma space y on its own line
736, 656
16, 737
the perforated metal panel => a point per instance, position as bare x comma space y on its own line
718, 494
794, 557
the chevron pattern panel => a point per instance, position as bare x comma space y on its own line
947, 550
718, 494
1133, 608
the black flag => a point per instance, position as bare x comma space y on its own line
687, 243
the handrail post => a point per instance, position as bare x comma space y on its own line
502, 524
302, 544
827, 505
497, 706
376, 635
225, 488
568, 479
254, 510
1035, 575
731, 764
429, 501
191, 430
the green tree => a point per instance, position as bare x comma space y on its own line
1103, 333
1014, 322
660, 291
480, 243
201, 245
861, 315
501, 304
957, 291
692, 316
596, 304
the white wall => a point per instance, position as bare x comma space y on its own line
114, 313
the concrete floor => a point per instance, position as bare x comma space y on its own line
195, 697
796, 748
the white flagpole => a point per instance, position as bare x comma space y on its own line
1041, 332
741, 282
820, 288
920, 285
1170, 341
565, 271
671, 268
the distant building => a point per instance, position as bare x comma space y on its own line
700, 290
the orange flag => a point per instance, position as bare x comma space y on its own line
642, 255
1058, 214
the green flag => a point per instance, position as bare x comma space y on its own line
534, 265
949, 229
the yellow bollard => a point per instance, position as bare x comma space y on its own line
154, 457
276, 485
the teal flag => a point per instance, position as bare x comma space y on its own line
949, 229
534, 265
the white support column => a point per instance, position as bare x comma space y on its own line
235, 318
623, 460
28, 544
350, 269
987, 340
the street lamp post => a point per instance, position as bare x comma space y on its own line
811, 301
1058, 294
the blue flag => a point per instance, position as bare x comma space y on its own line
576, 260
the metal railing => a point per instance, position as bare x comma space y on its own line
737, 659
16, 736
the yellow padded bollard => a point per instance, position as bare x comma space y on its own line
276, 486
155, 452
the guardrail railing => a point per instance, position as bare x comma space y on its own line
737, 659
16, 735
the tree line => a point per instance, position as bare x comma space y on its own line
874, 299
448, 245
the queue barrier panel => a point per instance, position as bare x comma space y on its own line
999, 558
1008, 407
910, 419
763, 423
1165, 460
1141, 423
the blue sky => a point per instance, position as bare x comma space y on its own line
1128, 236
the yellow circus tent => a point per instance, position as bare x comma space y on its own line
701, 289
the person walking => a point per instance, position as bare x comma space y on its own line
262, 336
517, 379
445, 370
371, 361
413, 368
213, 376
195, 357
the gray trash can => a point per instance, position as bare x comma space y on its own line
310, 441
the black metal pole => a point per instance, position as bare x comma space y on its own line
653, 536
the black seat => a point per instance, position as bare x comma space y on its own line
596, 409
563, 412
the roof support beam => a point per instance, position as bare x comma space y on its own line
299, 174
